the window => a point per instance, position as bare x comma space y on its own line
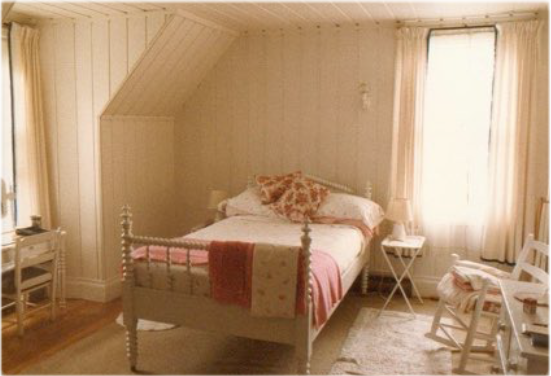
456, 125
8, 176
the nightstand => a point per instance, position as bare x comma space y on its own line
408, 249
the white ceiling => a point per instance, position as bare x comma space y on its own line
267, 15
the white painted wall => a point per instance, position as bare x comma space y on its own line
137, 168
83, 63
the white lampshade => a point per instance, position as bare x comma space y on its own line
216, 197
399, 210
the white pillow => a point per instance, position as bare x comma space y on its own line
248, 203
345, 206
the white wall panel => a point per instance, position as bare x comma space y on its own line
86, 148
184, 52
137, 160
118, 52
67, 137
82, 62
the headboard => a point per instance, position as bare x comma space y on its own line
335, 187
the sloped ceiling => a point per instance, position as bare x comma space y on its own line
178, 59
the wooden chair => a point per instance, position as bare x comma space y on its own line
35, 268
440, 330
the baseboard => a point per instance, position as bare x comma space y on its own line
425, 284
94, 290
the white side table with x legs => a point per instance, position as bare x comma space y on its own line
409, 249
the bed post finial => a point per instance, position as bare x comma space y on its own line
129, 317
368, 189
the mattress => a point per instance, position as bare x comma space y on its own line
343, 242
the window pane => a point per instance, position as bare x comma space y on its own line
456, 126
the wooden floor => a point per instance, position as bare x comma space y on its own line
43, 337
81, 318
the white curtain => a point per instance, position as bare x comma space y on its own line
30, 142
409, 87
454, 152
511, 202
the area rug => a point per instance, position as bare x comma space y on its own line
391, 344
148, 326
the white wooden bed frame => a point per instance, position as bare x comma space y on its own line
204, 313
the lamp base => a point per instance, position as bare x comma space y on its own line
399, 232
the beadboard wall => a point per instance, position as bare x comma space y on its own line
137, 168
83, 63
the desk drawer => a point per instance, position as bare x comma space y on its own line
8, 253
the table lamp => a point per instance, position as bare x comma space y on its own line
399, 211
215, 198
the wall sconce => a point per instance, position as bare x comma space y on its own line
365, 93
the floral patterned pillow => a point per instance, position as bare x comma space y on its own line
301, 200
274, 186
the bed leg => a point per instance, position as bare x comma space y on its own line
303, 366
132, 343
365, 279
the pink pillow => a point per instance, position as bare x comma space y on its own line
272, 187
301, 200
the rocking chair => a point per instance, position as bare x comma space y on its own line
482, 297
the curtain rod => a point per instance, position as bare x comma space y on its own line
468, 21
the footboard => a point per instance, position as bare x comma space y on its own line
186, 309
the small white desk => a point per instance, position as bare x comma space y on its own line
515, 353
410, 248
8, 263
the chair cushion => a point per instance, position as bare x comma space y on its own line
31, 276
473, 279
484, 268
464, 299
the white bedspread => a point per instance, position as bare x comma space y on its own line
344, 243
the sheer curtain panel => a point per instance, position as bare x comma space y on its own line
30, 141
409, 86
511, 200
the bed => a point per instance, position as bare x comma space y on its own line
180, 293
